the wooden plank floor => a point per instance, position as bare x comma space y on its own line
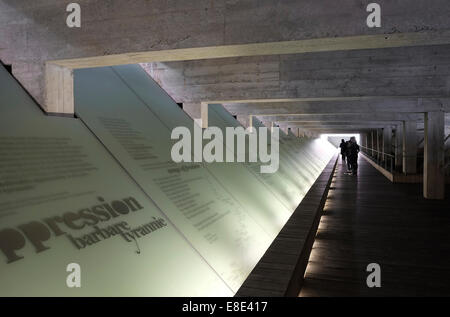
369, 219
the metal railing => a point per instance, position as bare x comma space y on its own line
387, 161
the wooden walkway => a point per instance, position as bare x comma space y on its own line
369, 219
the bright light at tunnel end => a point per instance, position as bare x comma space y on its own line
345, 136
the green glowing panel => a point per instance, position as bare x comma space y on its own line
281, 183
192, 197
302, 156
64, 199
252, 193
298, 170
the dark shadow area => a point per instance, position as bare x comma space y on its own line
7, 67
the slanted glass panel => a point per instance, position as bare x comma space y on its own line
192, 197
64, 199
253, 195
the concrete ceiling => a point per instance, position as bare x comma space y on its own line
277, 59
392, 84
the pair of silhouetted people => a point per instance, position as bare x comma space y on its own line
349, 153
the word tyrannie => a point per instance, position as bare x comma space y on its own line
38, 232
213, 150
122, 228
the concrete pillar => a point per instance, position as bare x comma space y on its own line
409, 147
433, 166
59, 89
250, 122
387, 140
379, 144
447, 148
398, 147
373, 143
387, 147
271, 125
204, 108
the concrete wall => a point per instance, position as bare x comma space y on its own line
33, 31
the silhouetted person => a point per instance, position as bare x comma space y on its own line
343, 147
347, 154
353, 150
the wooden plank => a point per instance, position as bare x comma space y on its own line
368, 219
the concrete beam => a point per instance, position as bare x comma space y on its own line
258, 49
351, 106
319, 131
384, 108
367, 124
358, 129
252, 50
362, 117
